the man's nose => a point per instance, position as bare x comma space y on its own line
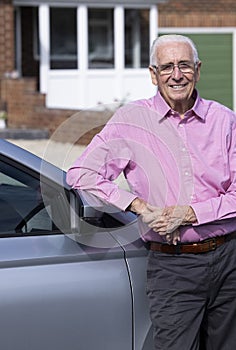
177, 74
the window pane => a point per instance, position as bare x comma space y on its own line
137, 38
23, 208
63, 38
101, 38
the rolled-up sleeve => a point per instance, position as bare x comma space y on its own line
102, 162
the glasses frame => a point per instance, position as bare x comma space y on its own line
173, 67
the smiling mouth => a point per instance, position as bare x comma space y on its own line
178, 86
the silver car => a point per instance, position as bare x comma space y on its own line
72, 274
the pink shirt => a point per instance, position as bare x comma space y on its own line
167, 161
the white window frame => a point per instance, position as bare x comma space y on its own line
82, 37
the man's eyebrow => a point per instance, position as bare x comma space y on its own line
181, 61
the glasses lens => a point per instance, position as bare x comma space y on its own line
166, 69
186, 67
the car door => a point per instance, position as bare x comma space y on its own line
136, 252
123, 227
56, 292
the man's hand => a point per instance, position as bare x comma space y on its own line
166, 221
138, 206
179, 215
150, 214
156, 218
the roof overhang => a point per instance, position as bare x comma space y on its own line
86, 2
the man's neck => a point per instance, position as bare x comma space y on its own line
182, 108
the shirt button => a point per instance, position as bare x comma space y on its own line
186, 173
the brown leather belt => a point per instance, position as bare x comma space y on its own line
193, 248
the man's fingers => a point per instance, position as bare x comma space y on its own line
161, 220
149, 217
169, 238
175, 237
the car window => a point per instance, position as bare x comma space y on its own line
24, 209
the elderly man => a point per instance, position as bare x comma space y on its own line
178, 153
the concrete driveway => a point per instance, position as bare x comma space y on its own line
60, 154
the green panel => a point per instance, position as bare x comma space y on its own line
215, 52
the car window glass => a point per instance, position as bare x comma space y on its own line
24, 210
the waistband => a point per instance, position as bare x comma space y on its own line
192, 248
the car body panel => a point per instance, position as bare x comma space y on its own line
55, 295
136, 252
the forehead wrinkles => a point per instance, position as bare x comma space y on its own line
174, 52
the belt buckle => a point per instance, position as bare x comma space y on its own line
213, 244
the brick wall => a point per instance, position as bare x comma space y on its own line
6, 37
26, 109
197, 13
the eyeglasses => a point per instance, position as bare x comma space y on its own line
184, 67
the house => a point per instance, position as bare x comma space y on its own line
58, 57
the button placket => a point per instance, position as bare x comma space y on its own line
185, 163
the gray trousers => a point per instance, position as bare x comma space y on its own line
192, 299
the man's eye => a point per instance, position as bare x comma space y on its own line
166, 67
184, 65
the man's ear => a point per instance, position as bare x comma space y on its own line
198, 71
153, 75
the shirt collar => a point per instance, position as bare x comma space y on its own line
160, 105
199, 108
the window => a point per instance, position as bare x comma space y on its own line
63, 37
137, 38
25, 210
101, 38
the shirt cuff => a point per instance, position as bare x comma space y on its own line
203, 212
124, 199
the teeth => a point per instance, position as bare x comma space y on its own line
177, 86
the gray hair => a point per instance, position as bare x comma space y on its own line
170, 38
